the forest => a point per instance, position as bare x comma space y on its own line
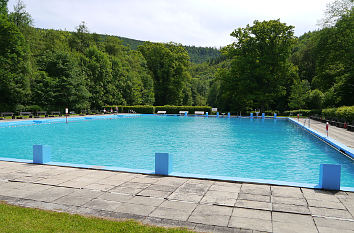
266, 67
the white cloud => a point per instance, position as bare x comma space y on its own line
190, 22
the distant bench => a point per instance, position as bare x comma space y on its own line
161, 112
54, 113
199, 112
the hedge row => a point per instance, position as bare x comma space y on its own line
303, 112
153, 109
345, 113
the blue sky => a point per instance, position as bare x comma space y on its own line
190, 22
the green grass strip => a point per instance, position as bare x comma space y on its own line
18, 219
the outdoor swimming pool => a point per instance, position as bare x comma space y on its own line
266, 149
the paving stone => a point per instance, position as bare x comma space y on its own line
285, 227
217, 220
162, 212
171, 181
125, 190
99, 187
290, 208
135, 185
336, 213
154, 193
249, 223
219, 198
115, 197
189, 197
194, 188
145, 179
334, 223
51, 194
292, 218
212, 210
149, 201
219, 229
253, 197
52, 181
331, 230
289, 200
251, 213
322, 195
179, 205
226, 187
78, 197
159, 187
257, 189
100, 204
135, 209
253, 205
283, 191
325, 204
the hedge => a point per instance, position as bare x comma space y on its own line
148, 109
344, 113
303, 112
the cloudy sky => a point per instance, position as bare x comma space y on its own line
190, 22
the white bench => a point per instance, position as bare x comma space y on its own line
183, 112
199, 112
161, 112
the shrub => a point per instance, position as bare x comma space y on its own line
303, 112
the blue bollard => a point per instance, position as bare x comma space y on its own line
263, 115
330, 176
228, 115
275, 116
163, 163
207, 114
217, 114
185, 113
41, 154
251, 115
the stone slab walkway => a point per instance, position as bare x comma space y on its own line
339, 134
200, 205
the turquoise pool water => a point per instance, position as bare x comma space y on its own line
247, 148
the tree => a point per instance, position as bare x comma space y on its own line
260, 74
81, 39
168, 64
315, 99
335, 11
3, 7
20, 16
14, 66
299, 94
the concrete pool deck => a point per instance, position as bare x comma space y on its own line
200, 205
339, 134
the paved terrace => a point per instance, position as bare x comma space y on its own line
200, 205
339, 134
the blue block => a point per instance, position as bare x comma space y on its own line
217, 114
275, 116
330, 176
251, 114
207, 114
185, 113
228, 115
263, 115
41, 154
163, 163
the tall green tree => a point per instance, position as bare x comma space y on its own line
168, 64
14, 66
260, 75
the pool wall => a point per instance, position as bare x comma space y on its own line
335, 144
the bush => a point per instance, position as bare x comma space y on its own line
345, 113
175, 109
303, 112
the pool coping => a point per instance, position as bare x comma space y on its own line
320, 136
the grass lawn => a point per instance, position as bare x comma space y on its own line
18, 219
